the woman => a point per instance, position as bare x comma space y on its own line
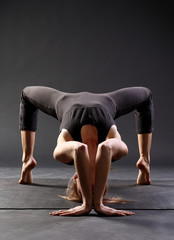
88, 137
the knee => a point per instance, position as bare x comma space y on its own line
23, 95
27, 91
105, 148
148, 93
80, 149
56, 154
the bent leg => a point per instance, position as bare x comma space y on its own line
140, 100
28, 140
144, 143
32, 99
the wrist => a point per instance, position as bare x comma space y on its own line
97, 204
87, 206
87, 203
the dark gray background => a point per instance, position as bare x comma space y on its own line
96, 46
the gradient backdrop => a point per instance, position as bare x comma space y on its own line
84, 45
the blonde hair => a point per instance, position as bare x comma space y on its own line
73, 195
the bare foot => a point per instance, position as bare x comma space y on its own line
26, 174
144, 171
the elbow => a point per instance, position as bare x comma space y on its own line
124, 150
54, 155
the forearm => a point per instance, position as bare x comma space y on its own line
110, 149
82, 165
103, 162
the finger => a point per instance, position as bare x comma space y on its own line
69, 213
126, 212
57, 212
62, 211
129, 213
73, 213
67, 210
113, 212
119, 213
66, 214
54, 213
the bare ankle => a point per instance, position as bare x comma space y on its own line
146, 157
25, 159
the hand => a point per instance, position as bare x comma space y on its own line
104, 210
77, 211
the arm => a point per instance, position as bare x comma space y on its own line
111, 148
67, 150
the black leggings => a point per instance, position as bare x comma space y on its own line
73, 110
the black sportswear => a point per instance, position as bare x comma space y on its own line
74, 110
